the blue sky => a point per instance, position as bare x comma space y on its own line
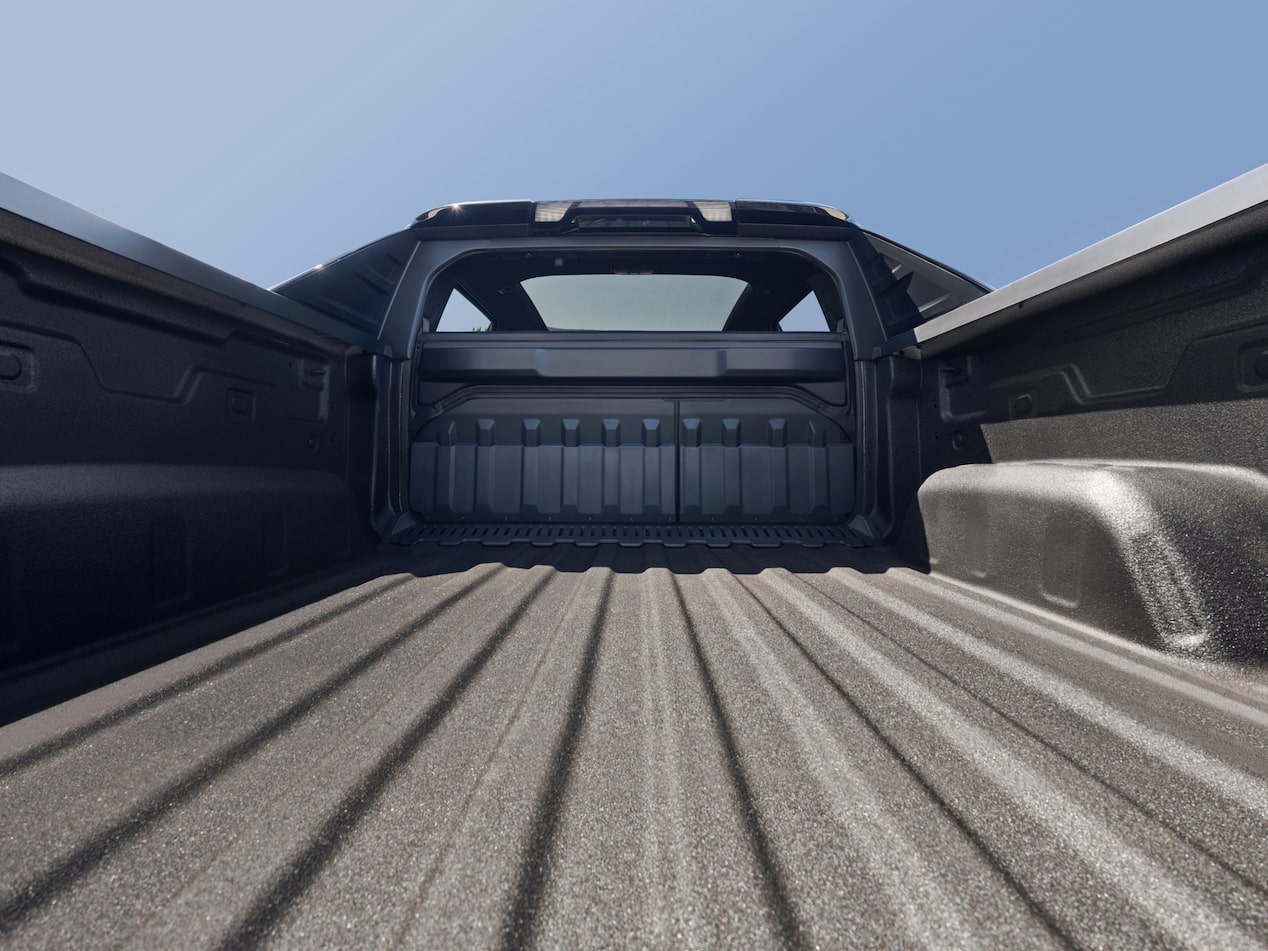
265, 137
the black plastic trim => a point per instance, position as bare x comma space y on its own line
633, 536
647, 357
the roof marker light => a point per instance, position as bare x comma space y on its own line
715, 211
551, 211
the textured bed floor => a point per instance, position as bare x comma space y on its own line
628, 747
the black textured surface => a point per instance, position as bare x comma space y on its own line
143, 544
614, 747
162, 449
1159, 368
528, 457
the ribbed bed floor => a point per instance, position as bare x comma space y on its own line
646, 747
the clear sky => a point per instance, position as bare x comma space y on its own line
264, 137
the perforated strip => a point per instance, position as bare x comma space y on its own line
633, 536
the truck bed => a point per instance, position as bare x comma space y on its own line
608, 746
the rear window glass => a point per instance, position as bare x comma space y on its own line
707, 290
634, 301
